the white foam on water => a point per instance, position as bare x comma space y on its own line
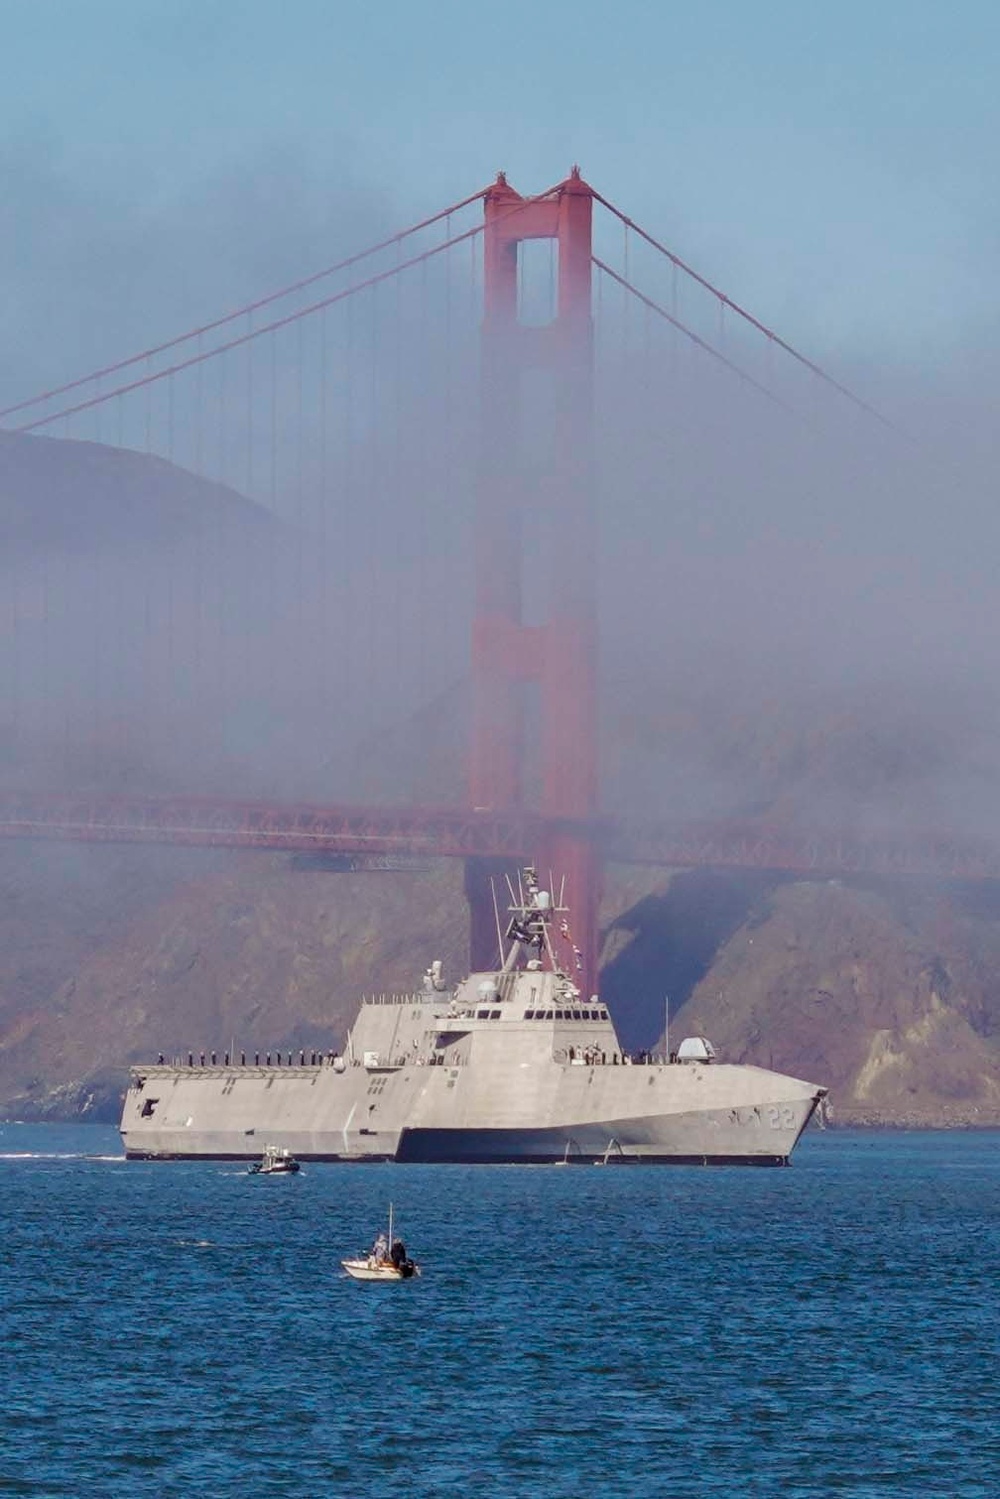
56, 1155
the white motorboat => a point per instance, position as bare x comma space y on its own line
275, 1161
387, 1260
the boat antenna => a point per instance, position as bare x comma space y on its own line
496, 917
666, 1027
549, 948
390, 1226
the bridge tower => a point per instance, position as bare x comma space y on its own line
550, 638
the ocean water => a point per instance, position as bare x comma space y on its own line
185, 1330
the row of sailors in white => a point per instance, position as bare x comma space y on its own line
694, 1049
210, 1059
592, 1056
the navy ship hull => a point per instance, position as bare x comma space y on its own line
416, 1110
547, 1148
510, 1066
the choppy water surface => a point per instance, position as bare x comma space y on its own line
184, 1329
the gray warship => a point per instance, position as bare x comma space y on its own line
513, 1065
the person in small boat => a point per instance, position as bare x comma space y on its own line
380, 1249
398, 1253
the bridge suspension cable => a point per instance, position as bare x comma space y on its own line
202, 356
725, 301
247, 655
247, 310
255, 333
689, 333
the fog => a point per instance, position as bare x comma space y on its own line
94, 275
797, 600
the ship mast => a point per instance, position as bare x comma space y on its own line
530, 925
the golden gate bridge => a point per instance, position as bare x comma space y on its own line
415, 432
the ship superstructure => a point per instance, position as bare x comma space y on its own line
510, 1065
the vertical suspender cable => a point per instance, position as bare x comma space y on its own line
223, 566
223, 464
273, 471
324, 633
15, 686
149, 408
420, 493
199, 425
374, 603
170, 417
450, 458
399, 504
674, 332
251, 344
349, 511
301, 661
97, 749
625, 303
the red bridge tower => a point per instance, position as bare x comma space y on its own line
556, 651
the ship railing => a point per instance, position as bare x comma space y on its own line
240, 1064
391, 999
374, 1061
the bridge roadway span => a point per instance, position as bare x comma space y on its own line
456, 833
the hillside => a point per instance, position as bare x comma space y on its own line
108, 957
886, 993
888, 997
60, 496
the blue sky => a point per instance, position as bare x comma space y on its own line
832, 165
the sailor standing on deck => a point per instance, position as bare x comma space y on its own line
380, 1249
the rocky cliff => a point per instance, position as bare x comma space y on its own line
887, 995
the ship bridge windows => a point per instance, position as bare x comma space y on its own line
567, 1015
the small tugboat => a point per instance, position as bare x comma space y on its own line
275, 1161
386, 1260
